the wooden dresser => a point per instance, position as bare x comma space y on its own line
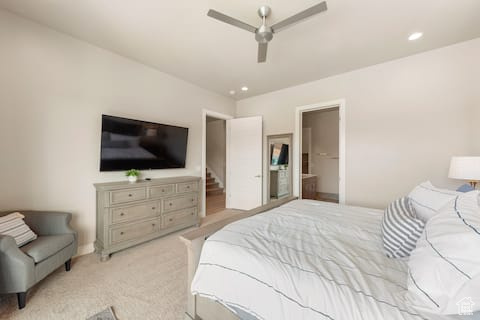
132, 213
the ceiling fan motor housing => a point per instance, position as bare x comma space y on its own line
264, 34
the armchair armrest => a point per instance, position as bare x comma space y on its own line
45, 223
16, 268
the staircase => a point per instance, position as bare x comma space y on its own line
212, 187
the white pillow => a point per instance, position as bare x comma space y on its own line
444, 268
14, 226
428, 200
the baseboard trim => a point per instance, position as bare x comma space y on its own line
85, 249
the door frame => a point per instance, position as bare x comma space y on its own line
221, 116
297, 148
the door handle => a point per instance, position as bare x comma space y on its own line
258, 176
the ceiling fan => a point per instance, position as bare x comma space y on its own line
264, 33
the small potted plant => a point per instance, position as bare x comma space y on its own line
132, 175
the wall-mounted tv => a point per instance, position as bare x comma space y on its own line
134, 144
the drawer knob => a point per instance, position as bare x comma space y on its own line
171, 219
163, 190
193, 200
122, 214
153, 208
188, 187
192, 213
153, 224
121, 233
170, 204
129, 194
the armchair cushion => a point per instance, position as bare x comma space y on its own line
14, 226
47, 246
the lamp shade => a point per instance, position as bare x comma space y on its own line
465, 168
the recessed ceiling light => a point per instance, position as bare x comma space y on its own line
244, 88
415, 36
232, 92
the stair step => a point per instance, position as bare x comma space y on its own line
212, 185
210, 180
209, 174
214, 191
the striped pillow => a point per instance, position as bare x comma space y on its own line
401, 228
14, 226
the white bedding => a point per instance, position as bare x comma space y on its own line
306, 260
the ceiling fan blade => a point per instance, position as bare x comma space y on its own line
316, 9
262, 52
232, 21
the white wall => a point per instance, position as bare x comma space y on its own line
324, 140
53, 90
306, 148
216, 148
404, 119
475, 129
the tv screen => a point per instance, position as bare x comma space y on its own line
133, 144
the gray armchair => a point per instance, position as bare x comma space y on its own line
21, 268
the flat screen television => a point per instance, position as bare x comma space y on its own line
134, 144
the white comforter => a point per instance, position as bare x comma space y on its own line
305, 260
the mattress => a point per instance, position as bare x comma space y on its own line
305, 260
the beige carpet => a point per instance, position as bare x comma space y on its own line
144, 282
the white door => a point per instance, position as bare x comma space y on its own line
244, 163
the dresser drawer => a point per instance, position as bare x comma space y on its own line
134, 231
179, 217
123, 196
177, 203
135, 212
163, 190
187, 187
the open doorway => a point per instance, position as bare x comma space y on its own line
215, 165
320, 169
231, 163
320, 155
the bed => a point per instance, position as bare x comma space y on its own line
304, 259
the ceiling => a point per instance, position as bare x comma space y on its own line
178, 38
